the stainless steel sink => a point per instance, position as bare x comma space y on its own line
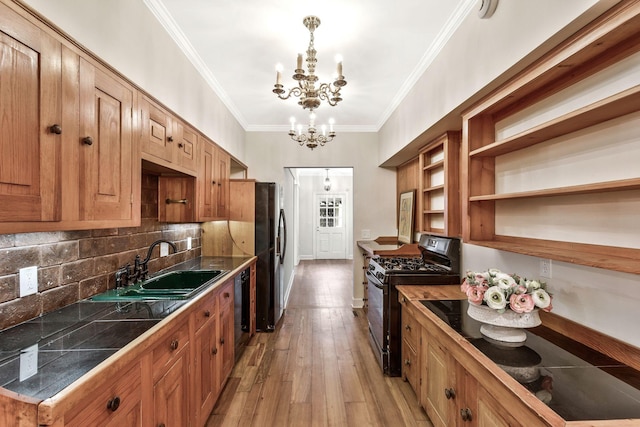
182, 284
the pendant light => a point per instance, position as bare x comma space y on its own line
327, 183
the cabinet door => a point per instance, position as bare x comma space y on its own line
107, 152
225, 304
186, 145
171, 394
222, 173
207, 380
30, 93
157, 131
438, 383
206, 182
118, 403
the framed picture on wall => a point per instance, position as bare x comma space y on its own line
405, 217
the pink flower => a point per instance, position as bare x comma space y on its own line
475, 294
521, 303
465, 286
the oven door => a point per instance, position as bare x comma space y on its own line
378, 295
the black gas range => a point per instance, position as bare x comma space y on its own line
439, 264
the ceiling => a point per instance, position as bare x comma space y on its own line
385, 48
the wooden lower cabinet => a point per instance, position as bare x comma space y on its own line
411, 338
171, 394
226, 341
117, 404
207, 354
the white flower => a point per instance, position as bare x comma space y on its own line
532, 285
495, 298
505, 281
493, 272
541, 298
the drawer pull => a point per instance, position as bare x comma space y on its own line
173, 345
407, 362
465, 413
55, 129
221, 340
404, 300
170, 138
214, 351
87, 140
407, 327
161, 425
226, 294
207, 313
449, 393
113, 404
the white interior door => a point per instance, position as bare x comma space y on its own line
329, 215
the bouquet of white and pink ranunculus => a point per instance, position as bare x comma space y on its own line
501, 291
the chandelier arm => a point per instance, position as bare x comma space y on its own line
296, 91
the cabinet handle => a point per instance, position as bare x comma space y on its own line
226, 294
113, 404
407, 327
403, 301
214, 351
173, 345
161, 425
170, 138
407, 362
180, 144
87, 140
222, 341
178, 201
449, 393
207, 313
213, 182
465, 413
56, 129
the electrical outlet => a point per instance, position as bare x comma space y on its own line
164, 249
545, 268
188, 243
28, 281
366, 234
28, 362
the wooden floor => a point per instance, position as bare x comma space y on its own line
317, 368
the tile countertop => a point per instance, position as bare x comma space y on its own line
42, 356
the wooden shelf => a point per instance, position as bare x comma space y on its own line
603, 43
607, 257
618, 105
620, 185
434, 188
434, 165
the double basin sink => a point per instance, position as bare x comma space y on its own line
180, 285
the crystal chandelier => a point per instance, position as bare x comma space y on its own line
310, 96
311, 139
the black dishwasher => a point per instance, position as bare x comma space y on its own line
241, 311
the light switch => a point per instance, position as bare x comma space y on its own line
28, 362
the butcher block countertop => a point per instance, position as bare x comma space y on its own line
388, 246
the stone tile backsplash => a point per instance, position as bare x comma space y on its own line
73, 265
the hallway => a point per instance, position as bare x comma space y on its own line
317, 369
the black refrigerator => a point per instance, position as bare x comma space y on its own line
269, 232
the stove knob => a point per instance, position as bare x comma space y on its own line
379, 276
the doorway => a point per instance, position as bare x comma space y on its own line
309, 231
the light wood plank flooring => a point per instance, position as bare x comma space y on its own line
317, 368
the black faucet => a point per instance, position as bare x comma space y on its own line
141, 268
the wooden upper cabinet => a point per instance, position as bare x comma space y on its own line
213, 187
30, 121
106, 146
167, 140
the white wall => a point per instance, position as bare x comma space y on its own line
269, 153
126, 35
